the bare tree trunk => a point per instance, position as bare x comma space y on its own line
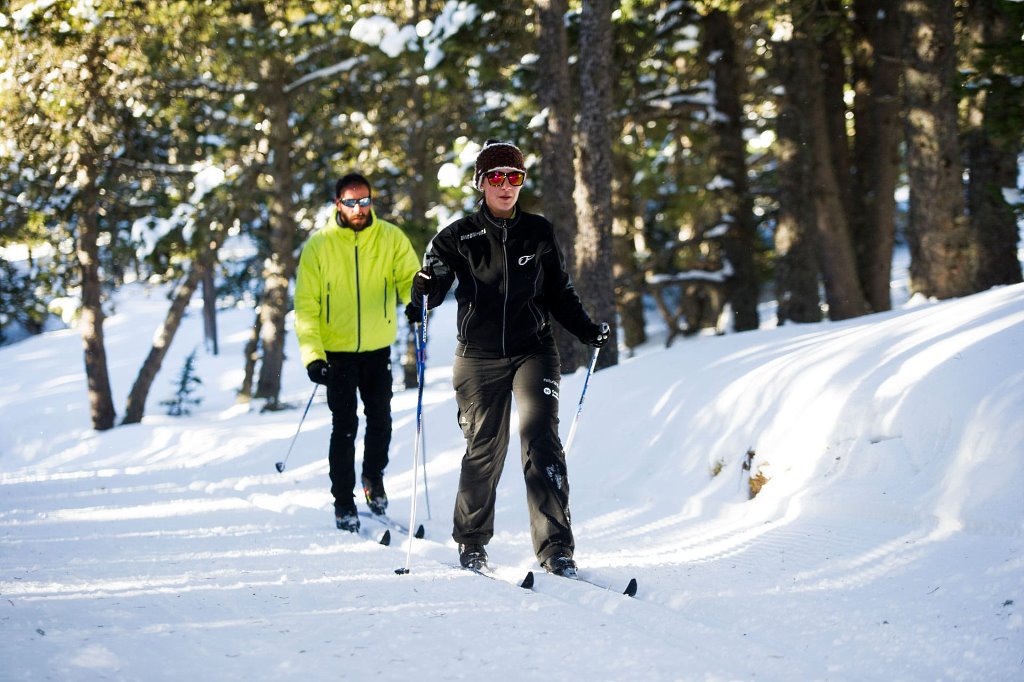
136, 406
251, 353
876, 145
101, 404
556, 172
943, 257
835, 248
796, 267
279, 268
418, 152
736, 202
629, 278
410, 368
210, 311
830, 39
993, 144
594, 183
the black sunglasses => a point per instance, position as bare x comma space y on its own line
352, 203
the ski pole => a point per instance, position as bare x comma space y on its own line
421, 359
579, 408
416, 446
280, 465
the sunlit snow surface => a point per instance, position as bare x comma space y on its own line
885, 545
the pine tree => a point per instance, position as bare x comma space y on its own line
183, 401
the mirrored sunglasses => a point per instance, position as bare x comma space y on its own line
352, 203
515, 178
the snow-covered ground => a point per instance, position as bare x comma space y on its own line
886, 544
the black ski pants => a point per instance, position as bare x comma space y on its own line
484, 389
368, 373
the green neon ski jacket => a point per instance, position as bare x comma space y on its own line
347, 288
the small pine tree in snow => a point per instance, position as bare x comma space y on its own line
183, 401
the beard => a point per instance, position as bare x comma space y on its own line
360, 222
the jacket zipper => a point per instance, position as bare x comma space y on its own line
359, 306
328, 303
504, 307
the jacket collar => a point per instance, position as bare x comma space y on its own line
494, 221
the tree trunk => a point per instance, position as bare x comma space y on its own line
101, 404
796, 266
210, 311
943, 258
279, 267
993, 144
740, 242
594, 182
251, 353
556, 172
136, 406
410, 367
835, 248
628, 276
421, 195
830, 41
876, 145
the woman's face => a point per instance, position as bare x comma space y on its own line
501, 198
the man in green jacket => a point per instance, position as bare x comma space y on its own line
350, 277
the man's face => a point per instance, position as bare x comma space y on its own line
356, 216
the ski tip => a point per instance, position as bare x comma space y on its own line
527, 583
386, 538
402, 571
630, 588
420, 532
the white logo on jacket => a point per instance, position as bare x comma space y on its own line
523, 260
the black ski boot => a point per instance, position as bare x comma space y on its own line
376, 498
560, 564
346, 519
473, 557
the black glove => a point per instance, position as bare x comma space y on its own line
319, 372
597, 335
423, 284
414, 313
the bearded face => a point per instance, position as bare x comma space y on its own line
354, 207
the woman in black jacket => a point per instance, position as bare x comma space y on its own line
511, 281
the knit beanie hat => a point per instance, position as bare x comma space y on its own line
497, 155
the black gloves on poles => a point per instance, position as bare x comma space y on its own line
598, 335
414, 313
319, 372
423, 284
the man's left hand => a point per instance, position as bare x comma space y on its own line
414, 313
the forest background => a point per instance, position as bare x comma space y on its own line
696, 158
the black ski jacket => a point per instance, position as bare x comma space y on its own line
512, 280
